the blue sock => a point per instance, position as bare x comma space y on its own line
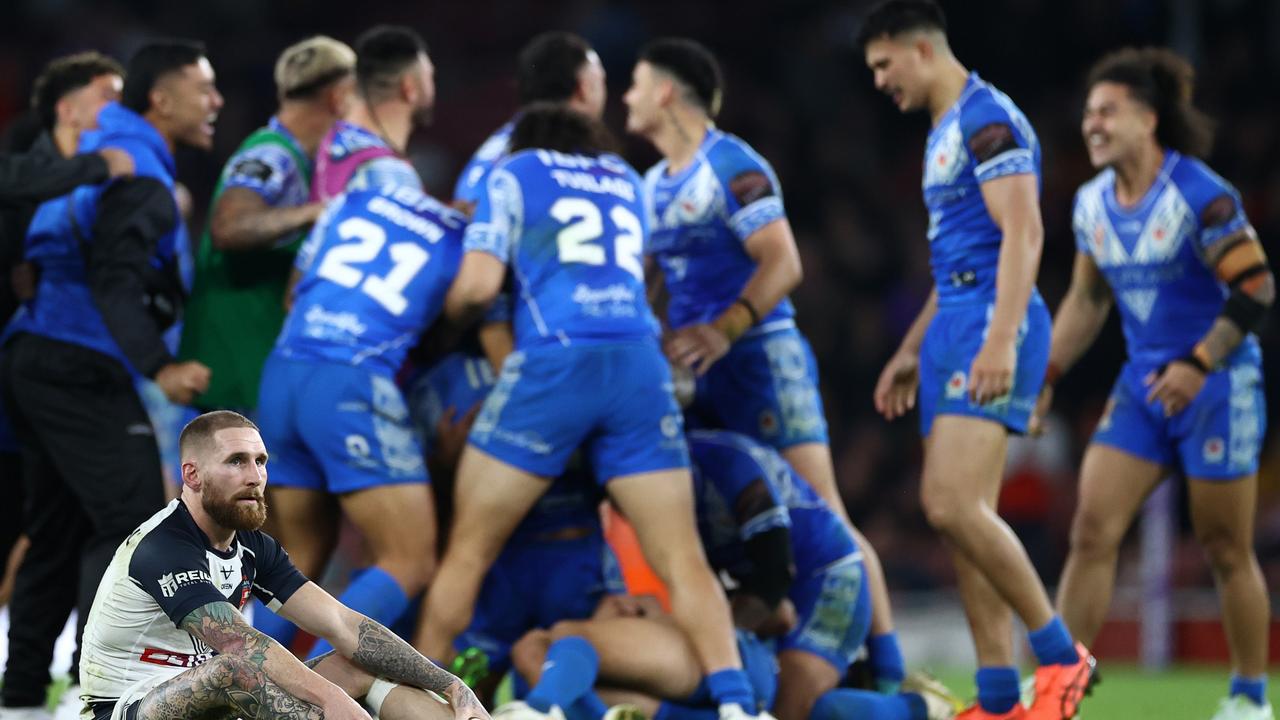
1254, 688
676, 711
998, 689
731, 686
272, 625
844, 703
887, 665
587, 707
374, 593
1052, 644
568, 673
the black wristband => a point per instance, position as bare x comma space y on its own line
1195, 362
755, 316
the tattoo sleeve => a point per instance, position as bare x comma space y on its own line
233, 684
381, 652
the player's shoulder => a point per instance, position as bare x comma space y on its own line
257, 543
400, 203
495, 146
983, 104
1091, 191
1197, 182
729, 153
167, 538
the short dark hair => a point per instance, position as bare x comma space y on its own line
894, 17
199, 432
693, 65
552, 126
1163, 81
65, 75
383, 53
151, 63
547, 68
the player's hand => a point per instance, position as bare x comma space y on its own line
466, 207
465, 704
451, 436
1036, 425
182, 381
119, 162
991, 374
697, 347
895, 392
1175, 387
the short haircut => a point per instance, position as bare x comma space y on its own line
894, 17
1165, 82
693, 65
152, 63
552, 126
547, 68
65, 75
307, 68
383, 53
198, 434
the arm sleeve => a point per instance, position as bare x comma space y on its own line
133, 215
997, 142
276, 579
753, 197
498, 217
264, 169
1081, 227
175, 572
35, 178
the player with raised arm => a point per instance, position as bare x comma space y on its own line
566, 215
977, 352
395, 93
1159, 232
375, 271
728, 261
165, 638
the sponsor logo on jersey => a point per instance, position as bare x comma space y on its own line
168, 658
170, 583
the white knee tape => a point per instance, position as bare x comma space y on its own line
378, 694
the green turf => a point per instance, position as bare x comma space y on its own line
1182, 693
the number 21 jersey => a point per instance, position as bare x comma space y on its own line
375, 272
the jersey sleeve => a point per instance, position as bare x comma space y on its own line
265, 169
471, 183
996, 140
173, 570
275, 579
752, 195
498, 217
1221, 216
1080, 226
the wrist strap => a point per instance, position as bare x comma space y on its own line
751, 310
1196, 359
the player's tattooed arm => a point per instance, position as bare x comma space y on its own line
242, 220
1241, 263
383, 653
253, 675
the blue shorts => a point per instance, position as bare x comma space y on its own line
766, 388
952, 342
335, 428
613, 400
536, 585
833, 611
1217, 437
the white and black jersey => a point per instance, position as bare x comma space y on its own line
163, 571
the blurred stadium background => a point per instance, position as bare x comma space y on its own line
850, 168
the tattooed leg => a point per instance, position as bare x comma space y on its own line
226, 686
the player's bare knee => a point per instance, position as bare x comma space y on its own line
411, 574
945, 511
1226, 551
1093, 537
529, 652
567, 628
